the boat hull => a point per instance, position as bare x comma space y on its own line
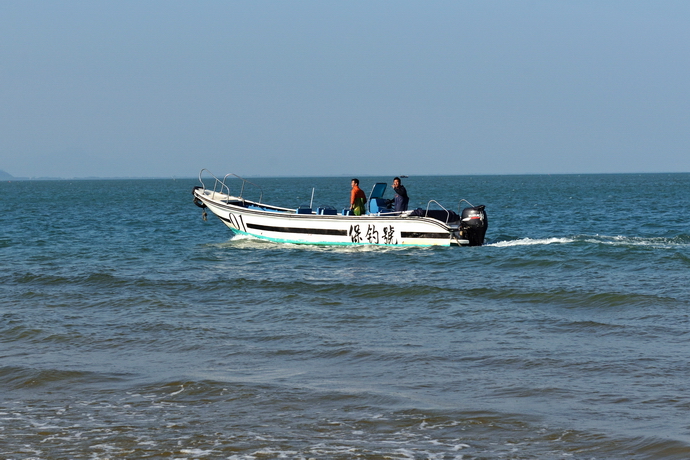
288, 226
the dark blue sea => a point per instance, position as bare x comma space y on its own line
132, 328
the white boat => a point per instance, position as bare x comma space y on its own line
304, 225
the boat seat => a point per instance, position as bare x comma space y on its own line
326, 211
377, 205
302, 210
347, 212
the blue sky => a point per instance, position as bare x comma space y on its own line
165, 88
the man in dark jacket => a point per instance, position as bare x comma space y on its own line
401, 198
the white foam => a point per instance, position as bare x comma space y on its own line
530, 242
620, 240
105, 447
407, 453
196, 452
178, 391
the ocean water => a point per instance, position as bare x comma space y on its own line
131, 328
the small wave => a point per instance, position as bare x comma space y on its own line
574, 298
15, 377
92, 279
336, 290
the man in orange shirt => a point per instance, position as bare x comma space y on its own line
358, 199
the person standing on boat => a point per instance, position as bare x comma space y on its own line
401, 198
357, 199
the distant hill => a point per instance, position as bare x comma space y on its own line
5, 176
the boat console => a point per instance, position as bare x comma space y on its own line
378, 204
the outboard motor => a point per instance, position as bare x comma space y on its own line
474, 223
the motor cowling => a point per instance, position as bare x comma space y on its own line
474, 223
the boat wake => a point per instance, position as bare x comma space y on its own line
655, 242
530, 242
618, 240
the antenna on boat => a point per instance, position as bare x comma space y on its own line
312, 197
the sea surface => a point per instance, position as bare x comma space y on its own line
132, 328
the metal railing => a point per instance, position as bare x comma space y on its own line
460, 202
439, 204
426, 213
219, 186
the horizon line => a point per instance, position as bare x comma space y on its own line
10, 178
